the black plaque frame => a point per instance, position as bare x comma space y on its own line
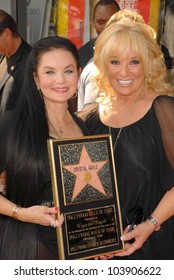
91, 207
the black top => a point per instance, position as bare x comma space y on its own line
144, 169
86, 52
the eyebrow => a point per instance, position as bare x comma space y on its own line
50, 67
70, 65
133, 57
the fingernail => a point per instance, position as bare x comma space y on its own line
122, 238
57, 208
53, 225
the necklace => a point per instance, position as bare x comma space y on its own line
121, 128
58, 131
118, 135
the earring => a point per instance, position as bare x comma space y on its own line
40, 93
74, 96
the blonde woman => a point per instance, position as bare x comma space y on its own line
136, 109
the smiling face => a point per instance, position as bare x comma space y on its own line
57, 75
126, 73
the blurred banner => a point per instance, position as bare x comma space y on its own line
70, 21
149, 9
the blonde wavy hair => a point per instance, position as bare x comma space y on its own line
125, 13
117, 39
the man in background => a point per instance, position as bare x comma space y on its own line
103, 10
14, 52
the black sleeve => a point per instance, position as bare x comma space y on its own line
86, 52
164, 108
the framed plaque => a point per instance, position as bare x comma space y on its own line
85, 189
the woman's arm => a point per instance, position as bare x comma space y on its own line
163, 211
36, 214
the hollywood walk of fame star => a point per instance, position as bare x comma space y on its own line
86, 172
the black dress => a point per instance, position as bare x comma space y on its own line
144, 156
29, 241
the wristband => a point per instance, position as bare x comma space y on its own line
15, 210
154, 222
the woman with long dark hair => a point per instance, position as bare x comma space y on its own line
28, 220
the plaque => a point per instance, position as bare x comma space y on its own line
85, 189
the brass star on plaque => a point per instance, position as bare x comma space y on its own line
86, 172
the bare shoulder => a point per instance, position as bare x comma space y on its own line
147, 101
151, 96
87, 109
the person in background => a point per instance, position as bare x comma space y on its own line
14, 53
87, 89
136, 109
28, 231
103, 10
167, 36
